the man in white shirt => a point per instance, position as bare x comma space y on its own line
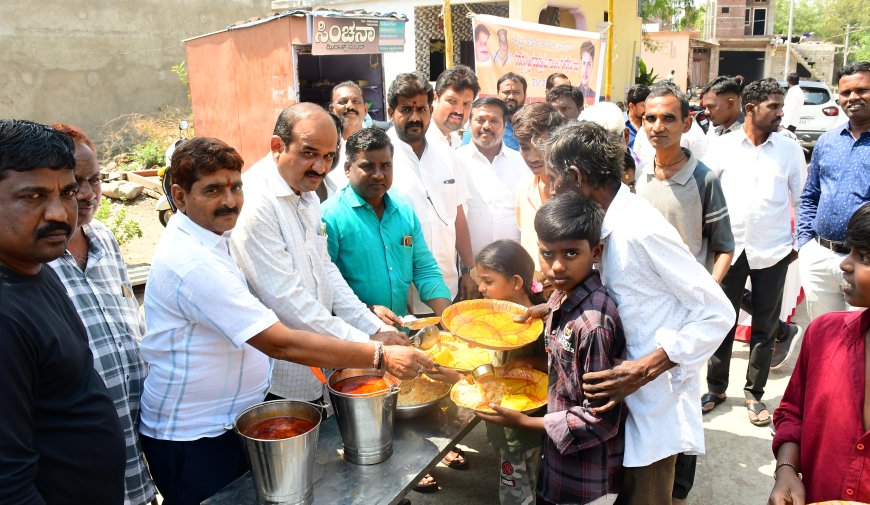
493, 173
455, 89
673, 312
794, 100
209, 340
350, 106
427, 175
280, 245
762, 177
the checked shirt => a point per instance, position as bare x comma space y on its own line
582, 451
103, 297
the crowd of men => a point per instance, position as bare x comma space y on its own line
311, 257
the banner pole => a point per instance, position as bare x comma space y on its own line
608, 79
448, 35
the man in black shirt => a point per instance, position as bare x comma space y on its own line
60, 437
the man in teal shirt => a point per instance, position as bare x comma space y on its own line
374, 239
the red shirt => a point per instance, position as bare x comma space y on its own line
822, 409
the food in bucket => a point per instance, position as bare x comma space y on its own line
361, 385
421, 390
453, 353
279, 428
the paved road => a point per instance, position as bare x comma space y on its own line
737, 469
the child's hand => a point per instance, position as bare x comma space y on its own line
539, 311
536, 362
504, 417
788, 490
444, 374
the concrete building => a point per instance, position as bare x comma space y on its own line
744, 43
424, 35
683, 52
88, 62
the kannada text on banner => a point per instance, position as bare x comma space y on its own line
535, 51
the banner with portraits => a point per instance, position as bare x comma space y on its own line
535, 51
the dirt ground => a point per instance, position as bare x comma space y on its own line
141, 250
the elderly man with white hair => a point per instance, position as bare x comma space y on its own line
609, 115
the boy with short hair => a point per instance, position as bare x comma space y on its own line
583, 451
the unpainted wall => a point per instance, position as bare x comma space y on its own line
89, 62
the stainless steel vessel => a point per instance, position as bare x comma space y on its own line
365, 421
282, 470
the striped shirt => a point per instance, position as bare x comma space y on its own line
582, 451
103, 297
200, 315
280, 244
692, 201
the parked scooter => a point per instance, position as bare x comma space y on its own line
165, 206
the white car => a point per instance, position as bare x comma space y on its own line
819, 113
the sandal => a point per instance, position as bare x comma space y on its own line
710, 401
455, 459
758, 413
427, 484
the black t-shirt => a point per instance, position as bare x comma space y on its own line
60, 438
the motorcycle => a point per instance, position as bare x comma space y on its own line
165, 206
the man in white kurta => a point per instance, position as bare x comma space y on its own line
493, 172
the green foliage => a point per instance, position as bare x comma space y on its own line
180, 70
644, 77
675, 15
149, 153
827, 20
114, 216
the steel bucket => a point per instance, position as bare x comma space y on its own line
283, 470
365, 421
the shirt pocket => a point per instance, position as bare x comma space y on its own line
773, 192
405, 258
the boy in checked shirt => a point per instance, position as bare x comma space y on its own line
582, 451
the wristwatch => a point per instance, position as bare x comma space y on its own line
464, 270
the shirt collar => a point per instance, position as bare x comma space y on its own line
856, 324
352, 198
578, 294
847, 130
743, 139
279, 187
480, 155
206, 238
685, 173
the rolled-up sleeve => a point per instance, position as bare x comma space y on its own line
230, 310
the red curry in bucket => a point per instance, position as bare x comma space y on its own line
361, 385
278, 428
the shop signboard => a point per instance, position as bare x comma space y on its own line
535, 51
350, 35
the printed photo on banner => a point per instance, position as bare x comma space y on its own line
535, 51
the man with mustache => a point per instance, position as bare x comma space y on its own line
762, 177
429, 177
280, 245
371, 235
838, 184
511, 89
95, 277
60, 439
493, 172
350, 106
587, 62
455, 89
210, 341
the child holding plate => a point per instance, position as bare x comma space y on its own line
582, 451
